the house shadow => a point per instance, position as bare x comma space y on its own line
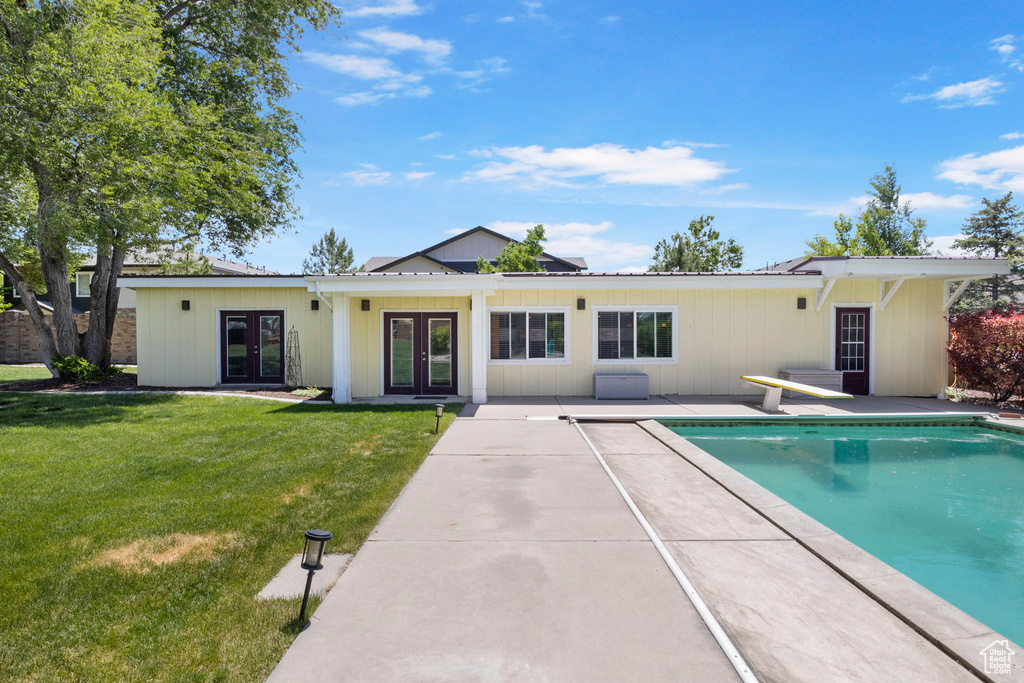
28, 410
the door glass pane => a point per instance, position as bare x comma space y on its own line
853, 350
238, 347
401, 352
440, 352
270, 345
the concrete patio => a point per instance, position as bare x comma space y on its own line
511, 556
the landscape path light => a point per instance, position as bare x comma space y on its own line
312, 554
438, 412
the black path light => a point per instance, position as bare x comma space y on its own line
312, 554
438, 412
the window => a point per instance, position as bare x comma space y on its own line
527, 335
83, 281
634, 335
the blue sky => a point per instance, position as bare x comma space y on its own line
614, 124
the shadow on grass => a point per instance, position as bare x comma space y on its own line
36, 410
450, 408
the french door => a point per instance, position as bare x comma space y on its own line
252, 347
420, 353
853, 348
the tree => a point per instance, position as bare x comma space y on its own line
329, 256
986, 350
518, 257
701, 251
995, 230
885, 227
128, 125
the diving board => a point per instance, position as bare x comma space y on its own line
773, 387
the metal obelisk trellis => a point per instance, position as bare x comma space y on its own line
293, 362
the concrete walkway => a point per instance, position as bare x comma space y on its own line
510, 556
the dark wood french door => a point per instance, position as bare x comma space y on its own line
853, 349
421, 353
252, 347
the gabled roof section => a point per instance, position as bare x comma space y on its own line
394, 263
380, 263
142, 258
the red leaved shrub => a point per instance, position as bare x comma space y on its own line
986, 350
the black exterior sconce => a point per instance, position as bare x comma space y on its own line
801, 302
186, 305
581, 304
364, 305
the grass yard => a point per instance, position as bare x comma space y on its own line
135, 531
20, 373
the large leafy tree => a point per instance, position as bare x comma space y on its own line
329, 255
518, 257
997, 229
886, 226
700, 249
129, 124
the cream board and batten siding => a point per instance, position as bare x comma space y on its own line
181, 348
368, 338
724, 333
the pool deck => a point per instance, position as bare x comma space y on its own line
510, 555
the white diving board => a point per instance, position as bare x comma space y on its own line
773, 387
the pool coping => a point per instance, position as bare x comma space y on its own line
956, 633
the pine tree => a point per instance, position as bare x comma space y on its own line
995, 230
329, 256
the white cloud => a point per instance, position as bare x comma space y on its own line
611, 19
444, 156
722, 189
606, 163
687, 143
1012, 136
1006, 46
1002, 170
506, 20
430, 136
357, 98
433, 51
363, 178
929, 201
363, 68
418, 175
926, 76
968, 94
579, 239
925, 201
533, 9
389, 8
943, 246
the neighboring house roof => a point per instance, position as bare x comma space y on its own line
461, 264
141, 258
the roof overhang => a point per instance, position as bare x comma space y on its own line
220, 281
894, 268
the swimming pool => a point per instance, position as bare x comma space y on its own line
942, 504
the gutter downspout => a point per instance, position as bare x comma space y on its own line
316, 286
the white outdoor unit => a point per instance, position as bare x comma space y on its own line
632, 386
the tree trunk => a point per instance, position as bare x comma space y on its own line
44, 333
103, 305
55, 272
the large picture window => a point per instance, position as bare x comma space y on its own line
635, 335
527, 335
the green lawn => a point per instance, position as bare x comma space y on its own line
135, 531
18, 373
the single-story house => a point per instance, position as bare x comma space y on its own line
18, 337
425, 324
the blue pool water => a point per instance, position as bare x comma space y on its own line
942, 504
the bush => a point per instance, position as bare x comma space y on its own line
80, 369
986, 350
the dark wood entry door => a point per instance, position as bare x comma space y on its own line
252, 347
853, 348
421, 353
